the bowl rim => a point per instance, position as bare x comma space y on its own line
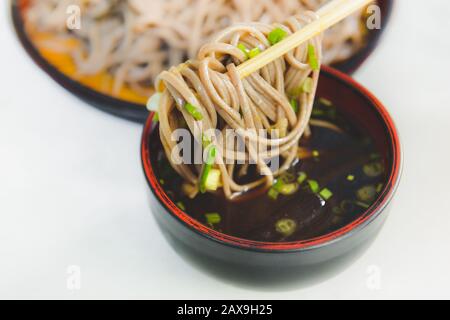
137, 112
356, 226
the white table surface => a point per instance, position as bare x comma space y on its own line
72, 191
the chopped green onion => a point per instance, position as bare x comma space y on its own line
189, 190
279, 129
212, 182
362, 204
161, 181
249, 53
181, 205
278, 185
287, 177
273, 194
302, 177
326, 102
326, 194
276, 36
351, 177
367, 193
316, 154
294, 105
314, 186
373, 169
286, 227
307, 86
318, 113
254, 52
156, 117
193, 111
288, 189
243, 49
312, 57
207, 168
212, 152
213, 218
205, 141
153, 102
380, 187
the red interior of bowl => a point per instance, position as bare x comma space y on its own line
352, 99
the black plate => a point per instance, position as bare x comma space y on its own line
136, 112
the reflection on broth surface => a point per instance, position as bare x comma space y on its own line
338, 175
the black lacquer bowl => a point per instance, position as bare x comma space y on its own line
354, 101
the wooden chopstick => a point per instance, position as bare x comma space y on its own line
330, 14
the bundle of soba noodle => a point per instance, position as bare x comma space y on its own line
135, 40
207, 93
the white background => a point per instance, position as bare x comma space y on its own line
72, 191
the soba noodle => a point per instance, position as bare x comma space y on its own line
135, 40
264, 100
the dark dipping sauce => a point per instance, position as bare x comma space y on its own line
337, 180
